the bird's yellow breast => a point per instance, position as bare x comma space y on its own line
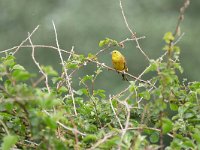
118, 60
118, 63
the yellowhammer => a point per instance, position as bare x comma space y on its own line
119, 62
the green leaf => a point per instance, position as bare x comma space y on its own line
49, 70
108, 41
50, 122
178, 66
62, 89
194, 86
110, 142
90, 128
189, 144
154, 138
173, 106
8, 142
138, 142
101, 43
56, 79
127, 139
146, 95
21, 75
132, 86
168, 37
166, 48
90, 138
87, 77
18, 67
101, 93
79, 92
153, 66
167, 125
91, 56
98, 71
71, 65
196, 136
9, 60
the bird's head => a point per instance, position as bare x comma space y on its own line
115, 53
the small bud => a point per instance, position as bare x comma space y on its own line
121, 44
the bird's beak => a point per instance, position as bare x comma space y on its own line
111, 53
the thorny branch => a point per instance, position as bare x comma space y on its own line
133, 34
38, 65
18, 47
88, 60
67, 128
113, 109
65, 69
181, 17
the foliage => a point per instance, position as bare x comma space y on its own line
138, 118
46, 112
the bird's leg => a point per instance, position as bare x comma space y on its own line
123, 76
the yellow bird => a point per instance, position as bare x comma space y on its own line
119, 63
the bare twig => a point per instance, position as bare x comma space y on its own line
181, 16
4, 126
35, 46
18, 47
107, 136
89, 60
178, 39
127, 120
67, 128
148, 91
113, 109
120, 93
126, 73
65, 70
133, 34
144, 71
38, 81
149, 128
128, 39
38, 65
30, 142
177, 31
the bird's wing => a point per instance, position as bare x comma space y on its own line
125, 64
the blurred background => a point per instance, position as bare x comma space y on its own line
83, 23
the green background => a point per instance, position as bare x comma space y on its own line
83, 23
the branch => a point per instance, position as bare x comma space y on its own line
38, 65
113, 109
5, 127
181, 16
87, 60
127, 121
149, 128
107, 136
65, 70
67, 128
134, 37
126, 73
18, 47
